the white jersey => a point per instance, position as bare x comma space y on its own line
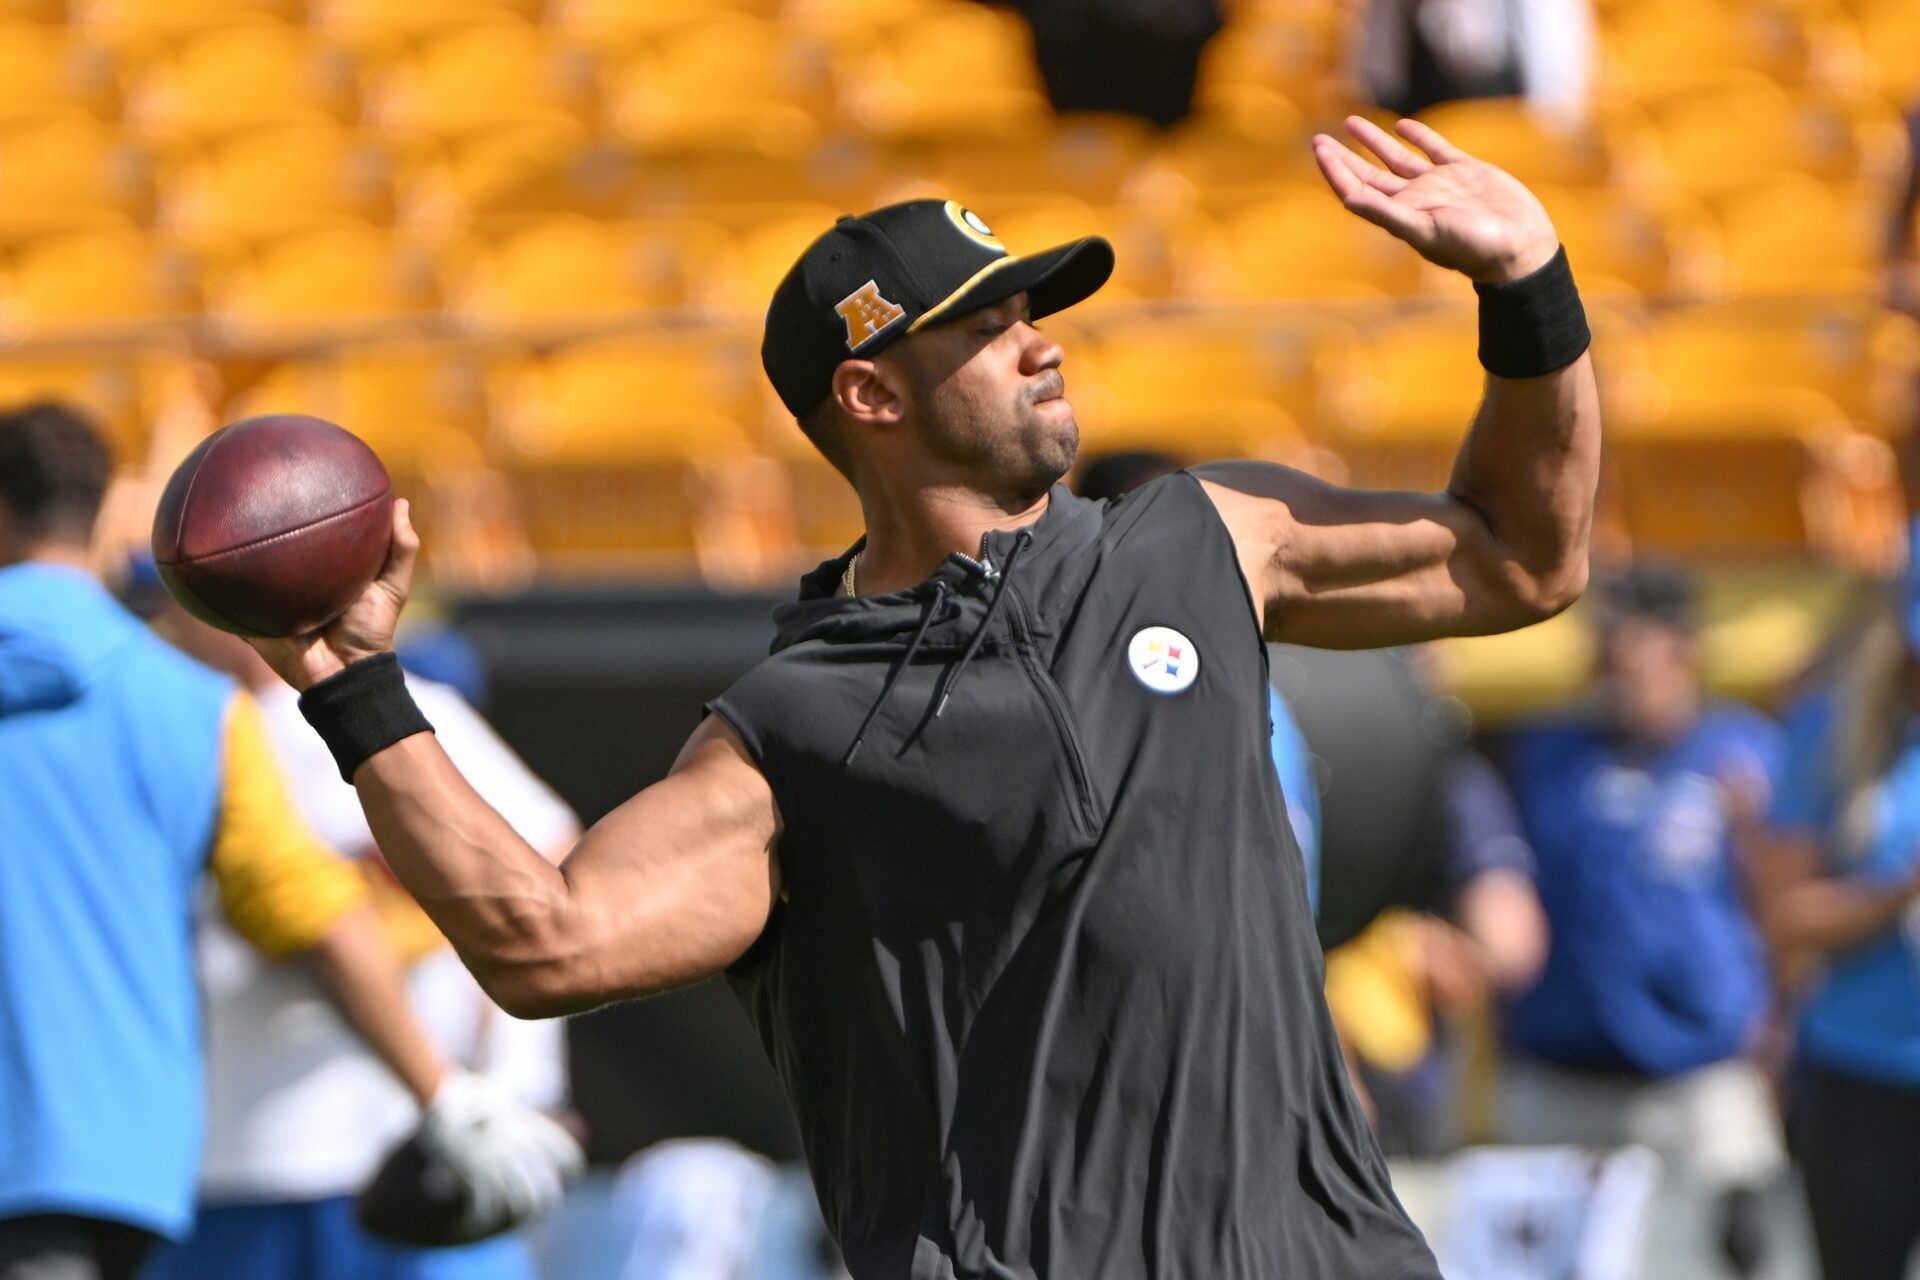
298, 1107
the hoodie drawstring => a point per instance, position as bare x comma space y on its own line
1020, 543
932, 610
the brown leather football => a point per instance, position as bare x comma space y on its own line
274, 525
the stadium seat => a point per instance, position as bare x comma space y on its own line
484, 77
1268, 68
569, 272
846, 24
618, 27
382, 29
768, 249
1780, 367
905, 87
606, 441
1794, 235
137, 31
1203, 165
1654, 50
1407, 405
1206, 385
734, 83
508, 177
67, 173
1890, 42
338, 280
120, 387
1744, 127
94, 282
237, 78
268, 183
1617, 244
1503, 132
45, 71
52, 12
1303, 244
1086, 156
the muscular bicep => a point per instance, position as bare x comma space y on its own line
1345, 568
677, 883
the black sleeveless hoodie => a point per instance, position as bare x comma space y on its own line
1043, 986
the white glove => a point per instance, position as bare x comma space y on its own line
514, 1161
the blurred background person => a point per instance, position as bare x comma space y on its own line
1137, 57
299, 1115
128, 773
1416, 54
1839, 894
1655, 987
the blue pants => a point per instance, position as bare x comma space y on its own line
319, 1240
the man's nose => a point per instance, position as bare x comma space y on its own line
1040, 352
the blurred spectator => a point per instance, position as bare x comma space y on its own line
1416, 54
1655, 985
299, 1115
1482, 934
127, 772
1138, 57
1902, 289
1105, 477
1838, 887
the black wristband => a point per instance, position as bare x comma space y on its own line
361, 709
1534, 325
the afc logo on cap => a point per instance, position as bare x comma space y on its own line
867, 313
1163, 660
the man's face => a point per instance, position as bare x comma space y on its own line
987, 398
1649, 678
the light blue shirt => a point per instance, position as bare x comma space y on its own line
1294, 762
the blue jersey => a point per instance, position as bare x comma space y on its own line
1294, 762
1654, 965
1864, 1016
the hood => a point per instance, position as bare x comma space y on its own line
58, 629
961, 582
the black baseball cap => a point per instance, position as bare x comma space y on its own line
872, 280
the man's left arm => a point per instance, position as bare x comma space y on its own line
1505, 543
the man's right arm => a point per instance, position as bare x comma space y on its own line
669, 888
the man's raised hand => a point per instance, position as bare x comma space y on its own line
1458, 212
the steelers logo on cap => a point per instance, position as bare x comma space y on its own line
1163, 660
972, 227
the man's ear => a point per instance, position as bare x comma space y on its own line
867, 393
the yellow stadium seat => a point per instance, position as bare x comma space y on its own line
420, 404
49, 11
1617, 244
119, 387
572, 271
1206, 385
843, 176
964, 71
1303, 244
138, 31
858, 23
1656, 49
1796, 235
238, 78
1780, 367
1890, 43
605, 441
1407, 404
1199, 164
1086, 156
383, 28
273, 182
511, 176
767, 250
484, 77
94, 282
617, 27
733, 83
45, 71
1503, 132
1743, 127
1269, 67
325, 282
67, 173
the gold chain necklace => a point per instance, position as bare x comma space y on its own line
846, 577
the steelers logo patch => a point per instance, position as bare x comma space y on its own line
1163, 660
973, 227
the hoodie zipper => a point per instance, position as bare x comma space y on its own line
1056, 704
